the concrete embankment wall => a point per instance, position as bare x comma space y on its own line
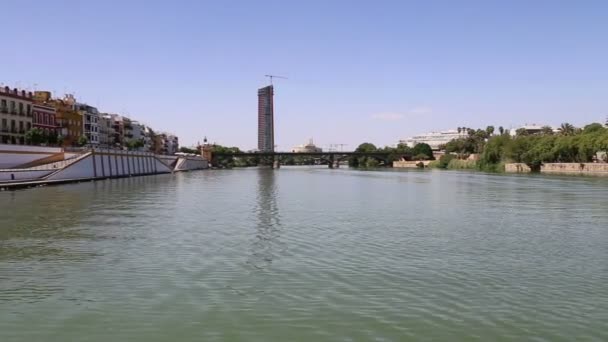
12, 156
112, 163
99, 164
563, 168
190, 163
23, 175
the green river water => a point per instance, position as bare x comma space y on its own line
307, 254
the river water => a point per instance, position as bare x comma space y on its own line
307, 254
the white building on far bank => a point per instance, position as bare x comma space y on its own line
434, 139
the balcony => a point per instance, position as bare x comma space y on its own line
4, 110
4, 130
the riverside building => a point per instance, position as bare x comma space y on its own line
90, 122
15, 115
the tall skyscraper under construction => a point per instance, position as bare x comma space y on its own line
266, 119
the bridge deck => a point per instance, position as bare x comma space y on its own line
271, 154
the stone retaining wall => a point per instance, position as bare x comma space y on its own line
410, 164
576, 168
517, 168
564, 168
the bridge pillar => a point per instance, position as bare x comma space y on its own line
276, 164
336, 164
331, 162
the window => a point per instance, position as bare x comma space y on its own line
13, 108
29, 109
21, 108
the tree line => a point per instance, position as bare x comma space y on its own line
420, 151
402, 151
567, 144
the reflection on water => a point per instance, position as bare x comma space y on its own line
266, 244
306, 254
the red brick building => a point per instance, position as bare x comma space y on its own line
45, 118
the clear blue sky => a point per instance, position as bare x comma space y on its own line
358, 71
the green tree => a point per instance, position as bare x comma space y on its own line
501, 130
82, 140
188, 150
35, 136
494, 152
445, 160
489, 131
594, 128
364, 162
52, 138
422, 150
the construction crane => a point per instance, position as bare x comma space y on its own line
334, 147
274, 76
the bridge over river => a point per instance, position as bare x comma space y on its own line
331, 158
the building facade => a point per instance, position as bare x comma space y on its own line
137, 135
90, 122
434, 139
149, 139
165, 143
15, 115
44, 117
69, 120
266, 119
106, 131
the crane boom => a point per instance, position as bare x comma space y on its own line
275, 76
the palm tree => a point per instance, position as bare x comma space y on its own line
490, 130
459, 130
501, 130
566, 129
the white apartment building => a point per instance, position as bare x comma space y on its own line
90, 122
106, 131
